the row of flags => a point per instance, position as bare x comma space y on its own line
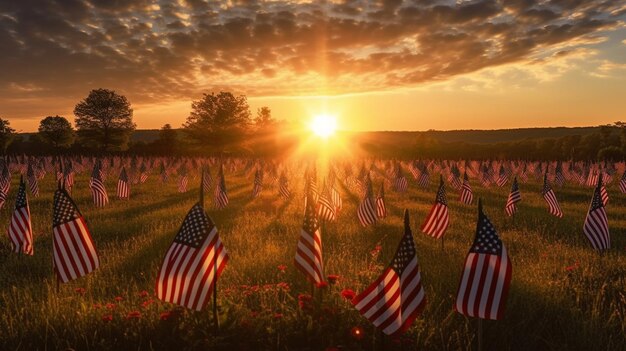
197, 257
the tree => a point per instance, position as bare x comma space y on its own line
104, 119
166, 143
264, 118
56, 131
218, 121
6, 134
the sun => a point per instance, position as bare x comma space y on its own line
323, 125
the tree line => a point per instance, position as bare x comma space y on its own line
222, 123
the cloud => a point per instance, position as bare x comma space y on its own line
156, 52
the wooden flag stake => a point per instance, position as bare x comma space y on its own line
480, 334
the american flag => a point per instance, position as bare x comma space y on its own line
98, 191
622, 183
220, 198
143, 173
193, 262
207, 180
438, 219
283, 186
596, 227
484, 285
183, 180
381, 208
33, 184
20, 229
467, 196
335, 196
5, 183
73, 249
396, 298
400, 182
604, 194
123, 186
514, 198
325, 208
503, 177
550, 197
366, 211
559, 178
423, 180
258, 183
164, 175
68, 176
309, 250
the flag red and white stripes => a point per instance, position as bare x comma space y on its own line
514, 197
467, 196
381, 207
596, 227
438, 218
396, 298
74, 253
193, 262
123, 185
20, 229
309, 249
550, 197
484, 285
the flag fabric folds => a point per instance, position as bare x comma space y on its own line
193, 263
486, 277
596, 227
309, 249
394, 300
74, 252
438, 218
20, 228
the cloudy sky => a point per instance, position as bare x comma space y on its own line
391, 65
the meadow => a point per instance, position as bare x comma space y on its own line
563, 296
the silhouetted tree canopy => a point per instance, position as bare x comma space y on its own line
264, 118
6, 134
166, 143
104, 119
56, 131
218, 121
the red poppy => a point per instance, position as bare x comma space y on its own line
282, 268
143, 294
147, 303
119, 298
107, 318
321, 285
348, 294
110, 306
332, 278
133, 315
165, 315
97, 306
283, 285
304, 301
80, 291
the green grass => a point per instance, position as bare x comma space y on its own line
549, 307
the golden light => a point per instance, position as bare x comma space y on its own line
323, 125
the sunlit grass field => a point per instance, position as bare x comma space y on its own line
563, 296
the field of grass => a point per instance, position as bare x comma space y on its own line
563, 296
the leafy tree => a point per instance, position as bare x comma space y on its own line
166, 143
610, 153
6, 134
264, 118
218, 120
56, 131
104, 119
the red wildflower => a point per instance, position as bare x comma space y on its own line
147, 303
348, 294
332, 278
97, 306
107, 318
304, 301
110, 306
282, 268
283, 285
572, 267
278, 315
165, 315
119, 298
376, 250
321, 285
80, 291
133, 315
143, 294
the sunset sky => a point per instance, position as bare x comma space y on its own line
376, 65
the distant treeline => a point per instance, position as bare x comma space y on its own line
222, 124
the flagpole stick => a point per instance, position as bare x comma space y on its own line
480, 334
